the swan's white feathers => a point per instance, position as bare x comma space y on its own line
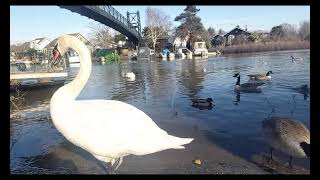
95, 121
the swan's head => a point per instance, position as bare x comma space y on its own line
60, 48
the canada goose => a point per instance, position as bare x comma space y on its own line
246, 87
202, 102
288, 136
302, 89
296, 59
107, 129
261, 76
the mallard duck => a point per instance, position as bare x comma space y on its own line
202, 102
246, 87
288, 136
261, 76
296, 59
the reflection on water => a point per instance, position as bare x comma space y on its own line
163, 90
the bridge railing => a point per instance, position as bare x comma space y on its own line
118, 16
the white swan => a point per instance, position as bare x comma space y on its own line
107, 129
130, 75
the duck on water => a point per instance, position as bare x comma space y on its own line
202, 103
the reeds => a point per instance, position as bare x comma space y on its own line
267, 46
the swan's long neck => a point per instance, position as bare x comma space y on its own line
71, 90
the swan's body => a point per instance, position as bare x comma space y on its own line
288, 136
266, 76
247, 87
107, 129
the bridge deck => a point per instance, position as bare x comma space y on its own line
108, 16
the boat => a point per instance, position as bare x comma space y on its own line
199, 49
183, 53
145, 53
165, 54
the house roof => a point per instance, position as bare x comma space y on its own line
40, 39
21, 47
235, 30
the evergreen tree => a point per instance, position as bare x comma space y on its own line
211, 31
191, 26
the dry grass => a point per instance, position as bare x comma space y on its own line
16, 100
268, 46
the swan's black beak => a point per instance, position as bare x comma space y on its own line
56, 55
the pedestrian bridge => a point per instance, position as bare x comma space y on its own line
109, 16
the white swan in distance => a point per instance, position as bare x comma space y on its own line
130, 75
107, 129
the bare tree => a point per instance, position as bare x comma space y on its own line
290, 32
158, 24
101, 35
304, 30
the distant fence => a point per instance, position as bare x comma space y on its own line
36, 64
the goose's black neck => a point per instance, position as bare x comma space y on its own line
238, 80
306, 148
268, 73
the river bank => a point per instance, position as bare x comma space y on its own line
261, 47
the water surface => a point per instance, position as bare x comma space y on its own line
163, 89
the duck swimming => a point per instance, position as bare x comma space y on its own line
288, 136
246, 87
202, 102
266, 76
296, 59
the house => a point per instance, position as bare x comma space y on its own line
38, 44
237, 31
163, 42
218, 40
179, 43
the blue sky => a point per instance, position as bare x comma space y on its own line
30, 22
